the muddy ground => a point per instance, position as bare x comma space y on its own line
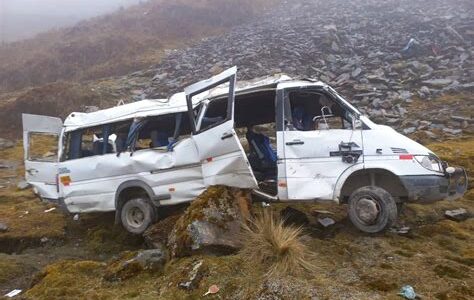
49, 255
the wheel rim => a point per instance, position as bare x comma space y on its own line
368, 210
135, 217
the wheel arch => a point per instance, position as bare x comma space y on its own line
380, 177
127, 189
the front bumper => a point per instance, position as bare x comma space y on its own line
431, 188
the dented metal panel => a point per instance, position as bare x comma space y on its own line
92, 182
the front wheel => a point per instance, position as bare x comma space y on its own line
372, 209
136, 215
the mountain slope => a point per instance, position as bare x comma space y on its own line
118, 43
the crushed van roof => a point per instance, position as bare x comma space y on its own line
176, 103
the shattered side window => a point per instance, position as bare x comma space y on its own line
43, 147
92, 141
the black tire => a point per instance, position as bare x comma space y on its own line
137, 214
372, 209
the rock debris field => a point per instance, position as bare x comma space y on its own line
384, 56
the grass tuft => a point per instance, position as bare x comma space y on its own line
267, 241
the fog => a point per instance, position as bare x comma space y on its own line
21, 19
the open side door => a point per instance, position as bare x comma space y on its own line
222, 157
40, 143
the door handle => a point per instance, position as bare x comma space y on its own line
294, 143
227, 135
32, 171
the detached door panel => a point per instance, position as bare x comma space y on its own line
222, 157
40, 143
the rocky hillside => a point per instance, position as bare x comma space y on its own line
391, 58
388, 57
118, 43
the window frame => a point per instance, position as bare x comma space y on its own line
287, 117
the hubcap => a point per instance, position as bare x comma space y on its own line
367, 210
135, 217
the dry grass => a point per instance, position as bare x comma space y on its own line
269, 242
118, 43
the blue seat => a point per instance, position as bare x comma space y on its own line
262, 157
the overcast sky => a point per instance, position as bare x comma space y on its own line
24, 18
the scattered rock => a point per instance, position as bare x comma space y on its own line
212, 223
438, 83
326, 222
459, 214
130, 264
292, 216
198, 270
89, 109
381, 63
4, 144
3, 227
452, 131
23, 185
403, 230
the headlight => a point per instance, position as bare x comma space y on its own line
429, 162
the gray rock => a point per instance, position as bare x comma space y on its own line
124, 267
438, 83
206, 235
23, 185
160, 77
89, 109
152, 259
459, 214
409, 130
3, 227
356, 72
452, 131
196, 273
211, 224
326, 222
4, 144
424, 92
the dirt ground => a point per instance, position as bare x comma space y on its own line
49, 255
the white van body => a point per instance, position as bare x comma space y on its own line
321, 163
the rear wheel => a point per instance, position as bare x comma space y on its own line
372, 209
137, 214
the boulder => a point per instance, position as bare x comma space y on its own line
129, 264
212, 223
157, 235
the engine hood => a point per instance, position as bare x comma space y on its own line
391, 142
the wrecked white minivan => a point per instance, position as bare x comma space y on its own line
287, 140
